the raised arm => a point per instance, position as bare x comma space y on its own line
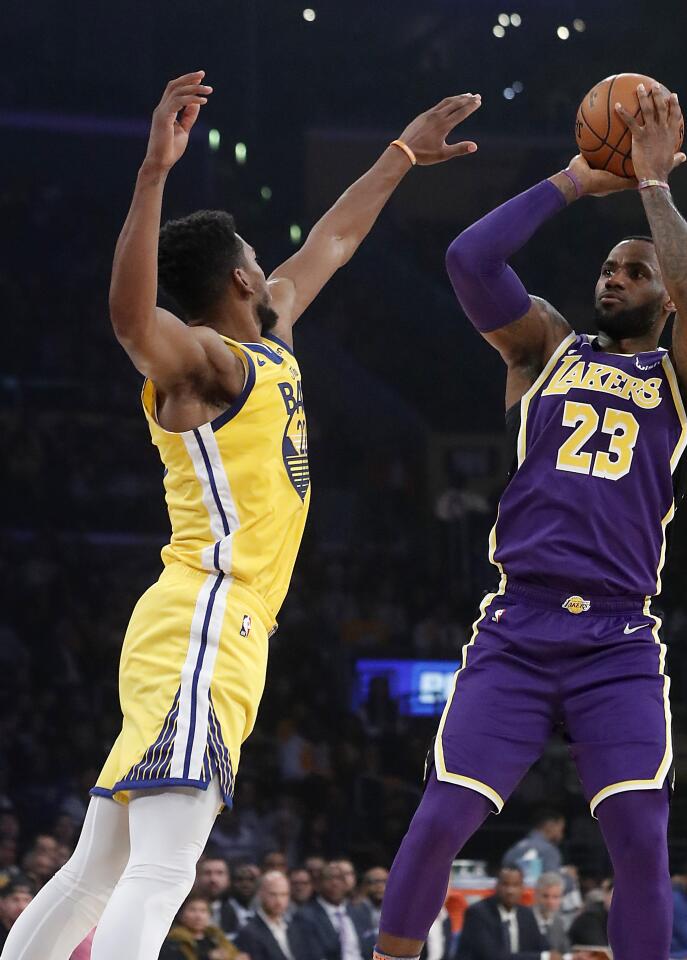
524, 329
159, 344
654, 137
337, 235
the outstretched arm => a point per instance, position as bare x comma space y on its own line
334, 239
654, 139
160, 345
525, 330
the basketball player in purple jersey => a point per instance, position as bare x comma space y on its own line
579, 542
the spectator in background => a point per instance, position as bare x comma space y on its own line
8, 853
538, 852
439, 943
374, 885
193, 937
40, 863
272, 934
499, 928
340, 929
243, 889
275, 860
349, 875
548, 896
302, 888
678, 946
591, 927
213, 881
15, 897
315, 865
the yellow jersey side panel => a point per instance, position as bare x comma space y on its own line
238, 488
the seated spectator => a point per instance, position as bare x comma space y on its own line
341, 929
193, 937
439, 944
15, 897
214, 882
678, 946
40, 863
548, 897
374, 885
273, 934
315, 865
302, 888
275, 860
538, 852
244, 886
349, 874
499, 928
590, 929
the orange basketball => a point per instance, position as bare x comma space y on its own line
603, 138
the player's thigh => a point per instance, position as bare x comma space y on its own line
500, 713
617, 716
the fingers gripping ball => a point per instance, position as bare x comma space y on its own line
602, 136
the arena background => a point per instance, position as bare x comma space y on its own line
404, 401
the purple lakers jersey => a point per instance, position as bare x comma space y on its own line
599, 439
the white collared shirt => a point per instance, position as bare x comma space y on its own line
343, 925
278, 927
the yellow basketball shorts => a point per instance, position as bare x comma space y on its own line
191, 677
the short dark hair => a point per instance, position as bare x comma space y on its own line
196, 257
546, 815
638, 236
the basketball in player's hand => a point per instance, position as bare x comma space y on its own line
602, 136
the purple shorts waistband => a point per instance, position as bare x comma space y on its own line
573, 600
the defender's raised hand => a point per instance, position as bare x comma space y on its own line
426, 135
173, 118
657, 134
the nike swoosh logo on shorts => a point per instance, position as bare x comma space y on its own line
629, 629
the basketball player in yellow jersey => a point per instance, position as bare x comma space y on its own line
223, 401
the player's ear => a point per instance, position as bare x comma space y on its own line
242, 281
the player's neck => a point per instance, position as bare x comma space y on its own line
233, 319
643, 344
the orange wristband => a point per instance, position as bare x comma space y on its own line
406, 149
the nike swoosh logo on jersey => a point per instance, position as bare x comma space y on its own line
629, 629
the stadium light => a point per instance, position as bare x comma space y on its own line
509, 93
515, 19
213, 139
579, 25
266, 193
563, 33
295, 233
241, 153
518, 86
498, 31
504, 19
309, 15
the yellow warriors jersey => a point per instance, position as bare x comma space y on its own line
238, 488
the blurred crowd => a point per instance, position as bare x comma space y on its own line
329, 909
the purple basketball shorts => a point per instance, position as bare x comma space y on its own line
540, 658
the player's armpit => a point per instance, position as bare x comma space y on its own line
526, 346
169, 352
532, 339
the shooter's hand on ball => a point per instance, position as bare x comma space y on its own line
655, 133
597, 183
426, 135
173, 118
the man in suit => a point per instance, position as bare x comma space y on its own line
214, 882
341, 930
498, 928
548, 897
273, 934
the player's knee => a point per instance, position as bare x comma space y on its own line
172, 874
